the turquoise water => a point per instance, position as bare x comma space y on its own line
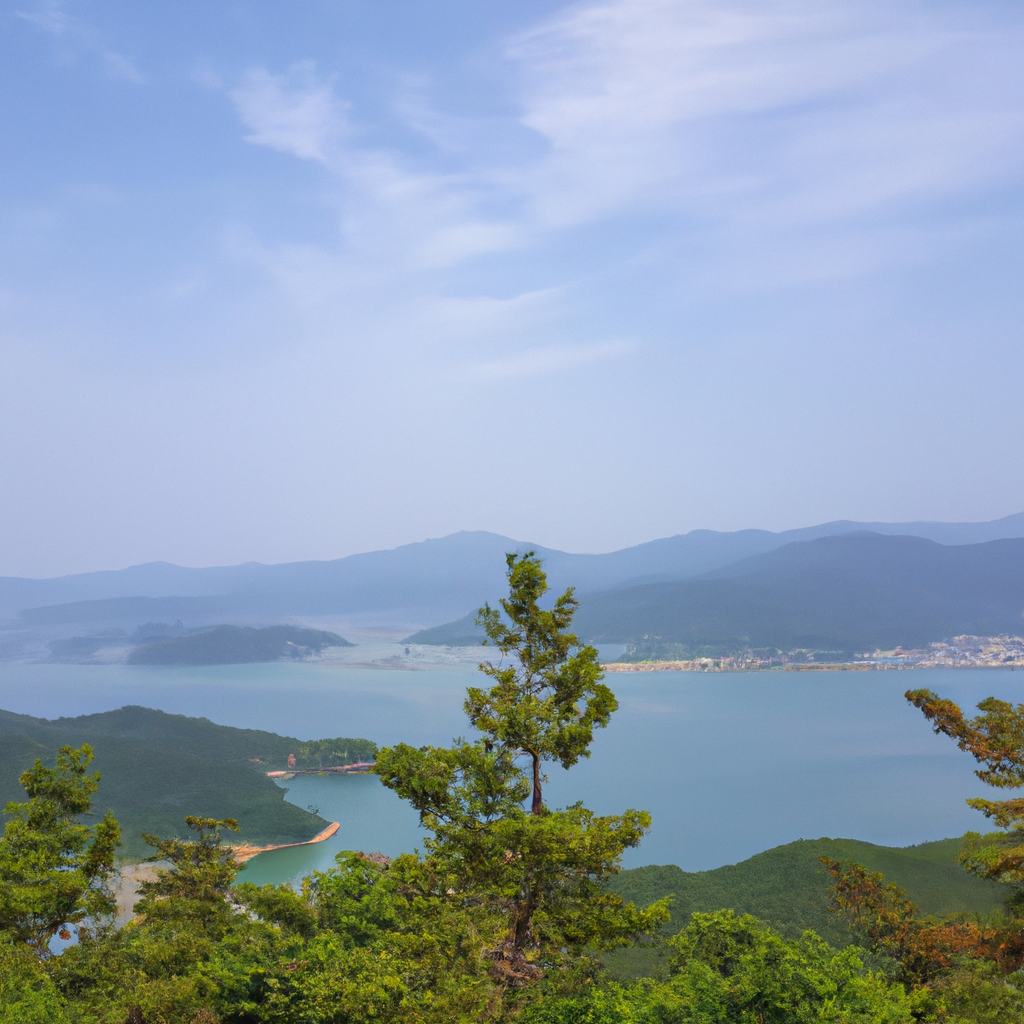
728, 763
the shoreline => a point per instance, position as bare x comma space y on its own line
696, 666
359, 768
244, 852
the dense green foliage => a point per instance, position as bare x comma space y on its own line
508, 913
231, 645
725, 968
372, 941
541, 871
28, 994
746, 974
788, 888
195, 890
55, 869
156, 765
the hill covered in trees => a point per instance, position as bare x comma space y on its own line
788, 888
232, 645
853, 593
857, 592
513, 908
158, 767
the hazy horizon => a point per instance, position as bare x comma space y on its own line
517, 540
289, 283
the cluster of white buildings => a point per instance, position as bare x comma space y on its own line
968, 652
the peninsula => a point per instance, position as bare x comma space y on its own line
245, 851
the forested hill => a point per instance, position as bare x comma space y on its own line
787, 886
158, 767
233, 645
854, 593
857, 592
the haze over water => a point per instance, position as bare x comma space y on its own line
728, 764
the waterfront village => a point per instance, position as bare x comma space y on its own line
960, 652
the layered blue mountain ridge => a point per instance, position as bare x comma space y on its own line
435, 581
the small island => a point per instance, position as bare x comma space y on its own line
234, 645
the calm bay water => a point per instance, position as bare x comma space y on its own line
729, 764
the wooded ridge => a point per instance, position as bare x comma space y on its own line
853, 593
154, 764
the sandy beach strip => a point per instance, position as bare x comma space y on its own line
244, 852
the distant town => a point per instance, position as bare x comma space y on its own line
961, 652
965, 652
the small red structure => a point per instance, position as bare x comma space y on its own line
291, 760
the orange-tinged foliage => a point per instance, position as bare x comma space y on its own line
882, 911
940, 944
995, 738
889, 921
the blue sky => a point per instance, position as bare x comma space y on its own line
284, 281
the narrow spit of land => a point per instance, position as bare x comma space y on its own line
244, 852
359, 768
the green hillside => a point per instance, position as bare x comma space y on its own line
858, 592
158, 767
786, 886
844, 594
233, 645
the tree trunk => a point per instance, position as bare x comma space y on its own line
510, 968
519, 933
535, 806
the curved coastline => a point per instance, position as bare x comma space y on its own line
244, 851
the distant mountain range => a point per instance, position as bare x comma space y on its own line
852, 593
427, 583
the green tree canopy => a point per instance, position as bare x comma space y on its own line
547, 700
54, 870
732, 969
196, 888
541, 871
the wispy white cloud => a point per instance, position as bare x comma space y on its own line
292, 113
54, 20
486, 313
756, 126
771, 146
622, 164
392, 215
747, 111
448, 245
